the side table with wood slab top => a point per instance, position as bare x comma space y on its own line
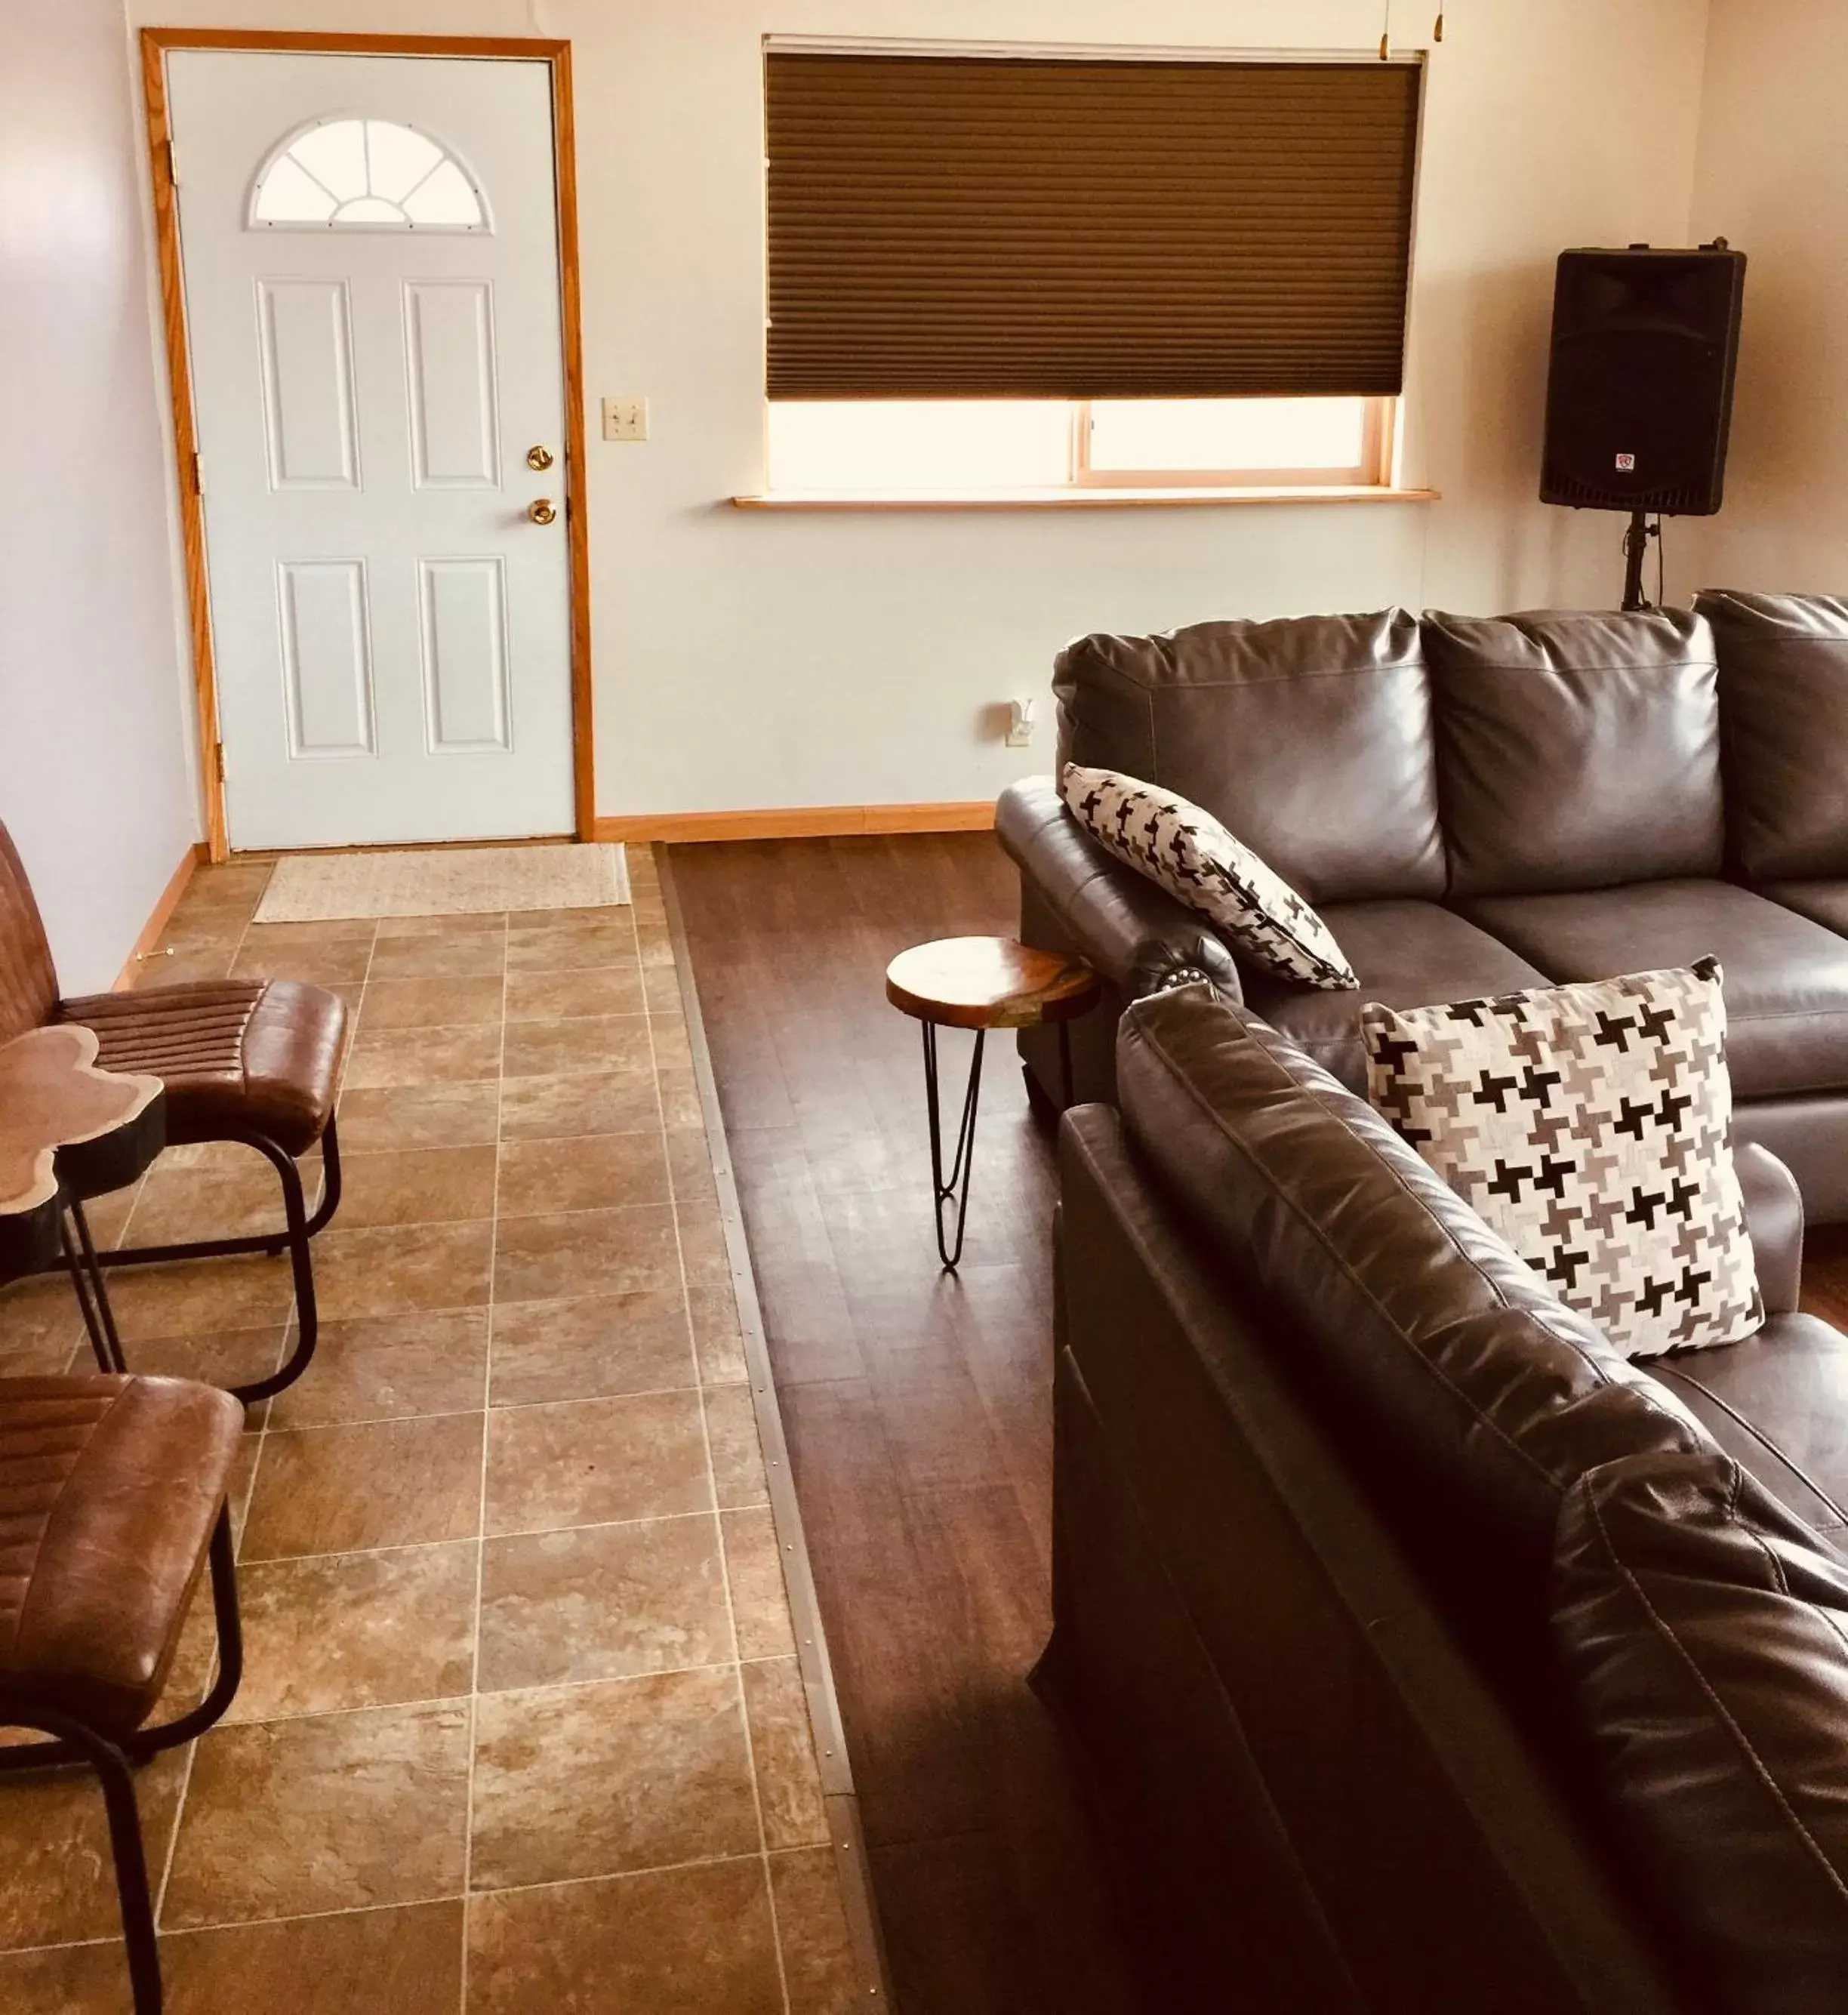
981, 983
69, 1131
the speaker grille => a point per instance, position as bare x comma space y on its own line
1671, 499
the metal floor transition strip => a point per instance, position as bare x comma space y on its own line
842, 1804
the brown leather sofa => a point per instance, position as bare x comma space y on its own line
1477, 805
1425, 1654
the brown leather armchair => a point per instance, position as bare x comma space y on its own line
112, 1502
253, 1060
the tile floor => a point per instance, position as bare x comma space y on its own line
521, 1731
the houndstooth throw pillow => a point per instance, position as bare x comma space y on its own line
1195, 859
1590, 1126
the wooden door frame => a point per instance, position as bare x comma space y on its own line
154, 43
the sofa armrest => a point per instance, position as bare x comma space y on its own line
1135, 934
1192, 1667
1774, 1218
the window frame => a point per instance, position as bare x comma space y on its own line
1380, 427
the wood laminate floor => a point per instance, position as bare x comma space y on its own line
916, 1404
1825, 1273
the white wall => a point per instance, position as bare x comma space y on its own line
1772, 176
93, 770
749, 659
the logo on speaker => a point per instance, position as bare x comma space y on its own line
1626, 461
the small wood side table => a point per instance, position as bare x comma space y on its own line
981, 983
69, 1131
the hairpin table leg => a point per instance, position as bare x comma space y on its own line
92, 1297
954, 1188
979, 984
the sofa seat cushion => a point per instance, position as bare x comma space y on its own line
1823, 902
1778, 1405
1786, 978
1405, 954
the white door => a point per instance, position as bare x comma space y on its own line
370, 250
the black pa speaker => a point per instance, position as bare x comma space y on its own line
1639, 395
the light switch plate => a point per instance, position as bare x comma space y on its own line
625, 419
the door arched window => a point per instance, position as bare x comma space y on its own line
343, 173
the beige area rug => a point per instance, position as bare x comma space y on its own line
443, 882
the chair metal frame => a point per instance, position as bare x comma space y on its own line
74, 1741
294, 1240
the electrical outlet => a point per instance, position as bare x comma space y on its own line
625, 419
1020, 724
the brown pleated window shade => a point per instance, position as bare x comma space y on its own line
949, 227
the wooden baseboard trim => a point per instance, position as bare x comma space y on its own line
163, 909
802, 822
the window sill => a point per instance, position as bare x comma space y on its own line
1098, 499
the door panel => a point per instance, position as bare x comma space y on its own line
465, 641
305, 346
327, 657
455, 433
369, 251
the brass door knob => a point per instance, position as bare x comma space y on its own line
541, 511
538, 457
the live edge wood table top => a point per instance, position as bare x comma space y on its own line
988, 983
66, 1130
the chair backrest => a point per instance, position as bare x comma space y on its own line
28, 979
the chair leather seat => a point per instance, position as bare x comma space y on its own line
110, 1489
258, 1055
1406, 954
1778, 1404
1786, 978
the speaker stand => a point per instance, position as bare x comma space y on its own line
1636, 544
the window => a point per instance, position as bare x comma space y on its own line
366, 174
948, 447
1041, 273
1257, 441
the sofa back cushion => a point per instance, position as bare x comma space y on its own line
1703, 1635
1479, 1394
1575, 751
1783, 726
1308, 738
